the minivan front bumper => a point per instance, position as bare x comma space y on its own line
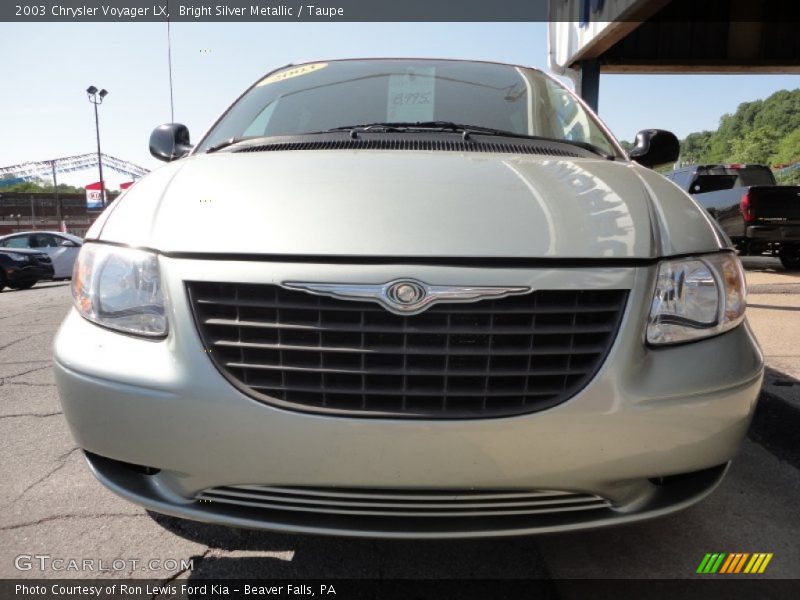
652, 433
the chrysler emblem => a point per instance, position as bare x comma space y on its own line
405, 293
405, 296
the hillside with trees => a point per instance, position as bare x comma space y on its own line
763, 131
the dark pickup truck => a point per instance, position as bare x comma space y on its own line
758, 215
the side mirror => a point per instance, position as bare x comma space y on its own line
170, 142
655, 147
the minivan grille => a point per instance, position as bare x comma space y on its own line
404, 503
490, 358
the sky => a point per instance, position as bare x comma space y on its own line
44, 112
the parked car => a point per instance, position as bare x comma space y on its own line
408, 298
758, 215
21, 269
62, 248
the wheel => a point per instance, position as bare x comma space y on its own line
790, 258
23, 286
2, 281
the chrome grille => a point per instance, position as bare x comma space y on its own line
490, 358
403, 503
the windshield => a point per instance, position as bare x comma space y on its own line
321, 96
745, 175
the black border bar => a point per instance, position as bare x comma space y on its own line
708, 587
244, 11
584, 12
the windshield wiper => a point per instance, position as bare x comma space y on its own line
466, 130
230, 142
586, 146
394, 126
369, 126
479, 129
429, 126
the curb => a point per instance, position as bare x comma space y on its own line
774, 288
776, 427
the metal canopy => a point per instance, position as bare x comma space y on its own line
67, 164
589, 37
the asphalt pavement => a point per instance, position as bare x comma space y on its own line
51, 504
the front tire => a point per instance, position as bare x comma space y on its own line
23, 286
790, 258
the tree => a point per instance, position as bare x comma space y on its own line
787, 151
757, 146
762, 131
43, 186
694, 148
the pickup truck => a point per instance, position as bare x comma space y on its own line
758, 215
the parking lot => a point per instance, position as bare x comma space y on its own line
51, 505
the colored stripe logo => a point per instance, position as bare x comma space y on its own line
734, 563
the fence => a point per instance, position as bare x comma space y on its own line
788, 174
21, 211
77, 227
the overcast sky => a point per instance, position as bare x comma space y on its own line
46, 67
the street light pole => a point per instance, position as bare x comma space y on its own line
59, 217
99, 157
96, 98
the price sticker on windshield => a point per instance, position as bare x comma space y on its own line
411, 95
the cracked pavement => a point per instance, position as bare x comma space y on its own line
51, 504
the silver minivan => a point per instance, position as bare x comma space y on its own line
408, 298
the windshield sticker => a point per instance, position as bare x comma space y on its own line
288, 74
411, 95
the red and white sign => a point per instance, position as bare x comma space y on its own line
126, 185
94, 196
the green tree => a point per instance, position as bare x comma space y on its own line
43, 186
788, 153
756, 146
694, 149
787, 150
759, 131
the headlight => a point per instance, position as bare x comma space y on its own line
696, 298
120, 288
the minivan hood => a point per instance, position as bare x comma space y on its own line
409, 204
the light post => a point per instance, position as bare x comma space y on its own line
59, 216
96, 98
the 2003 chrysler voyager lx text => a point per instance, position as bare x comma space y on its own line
408, 298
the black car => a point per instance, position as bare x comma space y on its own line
21, 268
760, 216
